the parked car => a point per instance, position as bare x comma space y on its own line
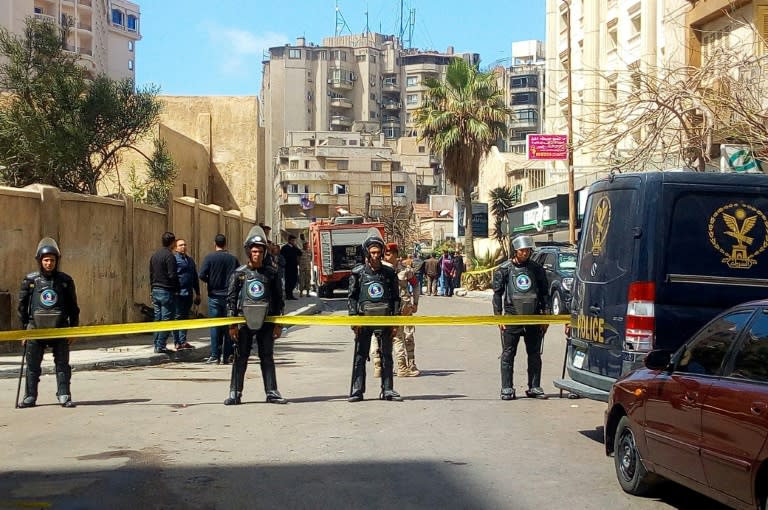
559, 262
698, 416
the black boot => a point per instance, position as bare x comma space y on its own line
536, 392
274, 397
508, 394
391, 395
28, 402
234, 398
66, 401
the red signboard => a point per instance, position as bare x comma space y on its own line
547, 147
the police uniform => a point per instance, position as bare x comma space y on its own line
48, 300
254, 293
373, 293
520, 289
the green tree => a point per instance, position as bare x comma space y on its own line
161, 174
58, 125
461, 119
503, 198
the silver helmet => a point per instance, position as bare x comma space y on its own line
522, 242
256, 237
47, 246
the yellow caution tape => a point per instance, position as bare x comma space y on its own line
480, 270
337, 320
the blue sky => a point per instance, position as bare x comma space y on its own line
199, 47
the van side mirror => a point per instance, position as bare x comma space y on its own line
658, 359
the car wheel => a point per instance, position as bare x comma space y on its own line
557, 303
632, 475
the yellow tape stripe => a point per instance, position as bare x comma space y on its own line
481, 270
338, 320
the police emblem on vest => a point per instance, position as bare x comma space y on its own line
255, 299
46, 311
374, 295
521, 287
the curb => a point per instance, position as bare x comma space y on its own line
142, 359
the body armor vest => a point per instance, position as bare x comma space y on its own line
45, 303
374, 293
522, 289
254, 297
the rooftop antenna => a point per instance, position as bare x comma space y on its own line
341, 23
367, 27
406, 27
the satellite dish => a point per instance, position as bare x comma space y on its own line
444, 213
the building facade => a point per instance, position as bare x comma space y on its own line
103, 33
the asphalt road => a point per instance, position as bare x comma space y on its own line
159, 437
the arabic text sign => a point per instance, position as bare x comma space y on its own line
546, 147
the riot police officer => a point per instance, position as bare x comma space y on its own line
48, 300
520, 288
254, 292
374, 291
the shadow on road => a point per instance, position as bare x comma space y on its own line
597, 435
439, 373
115, 402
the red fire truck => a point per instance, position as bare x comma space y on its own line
336, 249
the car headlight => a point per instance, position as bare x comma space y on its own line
567, 283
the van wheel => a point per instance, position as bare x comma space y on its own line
557, 303
632, 475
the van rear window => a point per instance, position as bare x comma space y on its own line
718, 235
606, 242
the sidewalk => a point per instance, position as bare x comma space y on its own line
138, 350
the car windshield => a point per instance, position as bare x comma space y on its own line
567, 261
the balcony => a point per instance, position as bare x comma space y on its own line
392, 105
390, 87
319, 199
84, 27
340, 83
300, 223
341, 102
390, 121
45, 18
341, 120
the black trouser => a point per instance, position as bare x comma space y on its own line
362, 346
35, 351
510, 337
291, 278
265, 345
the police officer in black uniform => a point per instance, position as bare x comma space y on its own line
48, 300
254, 292
373, 290
520, 288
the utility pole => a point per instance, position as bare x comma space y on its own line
571, 184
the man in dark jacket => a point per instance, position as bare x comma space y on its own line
520, 288
216, 271
291, 254
165, 285
189, 292
48, 300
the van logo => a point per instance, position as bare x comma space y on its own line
735, 223
602, 220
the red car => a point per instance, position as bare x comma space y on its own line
698, 416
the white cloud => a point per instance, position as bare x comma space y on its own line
241, 51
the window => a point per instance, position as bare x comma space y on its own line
527, 115
339, 55
422, 149
380, 189
294, 164
38, 10
130, 65
400, 189
392, 82
705, 353
373, 115
613, 38
339, 189
352, 142
117, 17
376, 166
130, 45
523, 98
321, 55
752, 358
342, 164
391, 132
411, 81
306, 164
635, 26
360, 58
133, 23
412, 99
520, 82
373, 59
373, 96
294, 53
298, 188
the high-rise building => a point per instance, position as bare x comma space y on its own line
103, 33
366, 83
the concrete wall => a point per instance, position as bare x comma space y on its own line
106, 245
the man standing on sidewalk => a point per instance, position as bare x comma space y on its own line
165, 285
48, 300
291, 254
432, 270
216, 271
254, 293
189, 292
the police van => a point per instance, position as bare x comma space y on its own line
660, 254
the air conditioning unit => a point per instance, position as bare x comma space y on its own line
330, 81
353, 77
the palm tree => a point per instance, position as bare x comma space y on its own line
461, 119
503, 198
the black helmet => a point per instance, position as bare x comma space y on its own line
256, 237
373, 240
47, 246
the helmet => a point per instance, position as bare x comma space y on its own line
522, 242
373, 240
255, 237
47, 246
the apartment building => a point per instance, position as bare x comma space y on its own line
523, 85
103, 33
363, 83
